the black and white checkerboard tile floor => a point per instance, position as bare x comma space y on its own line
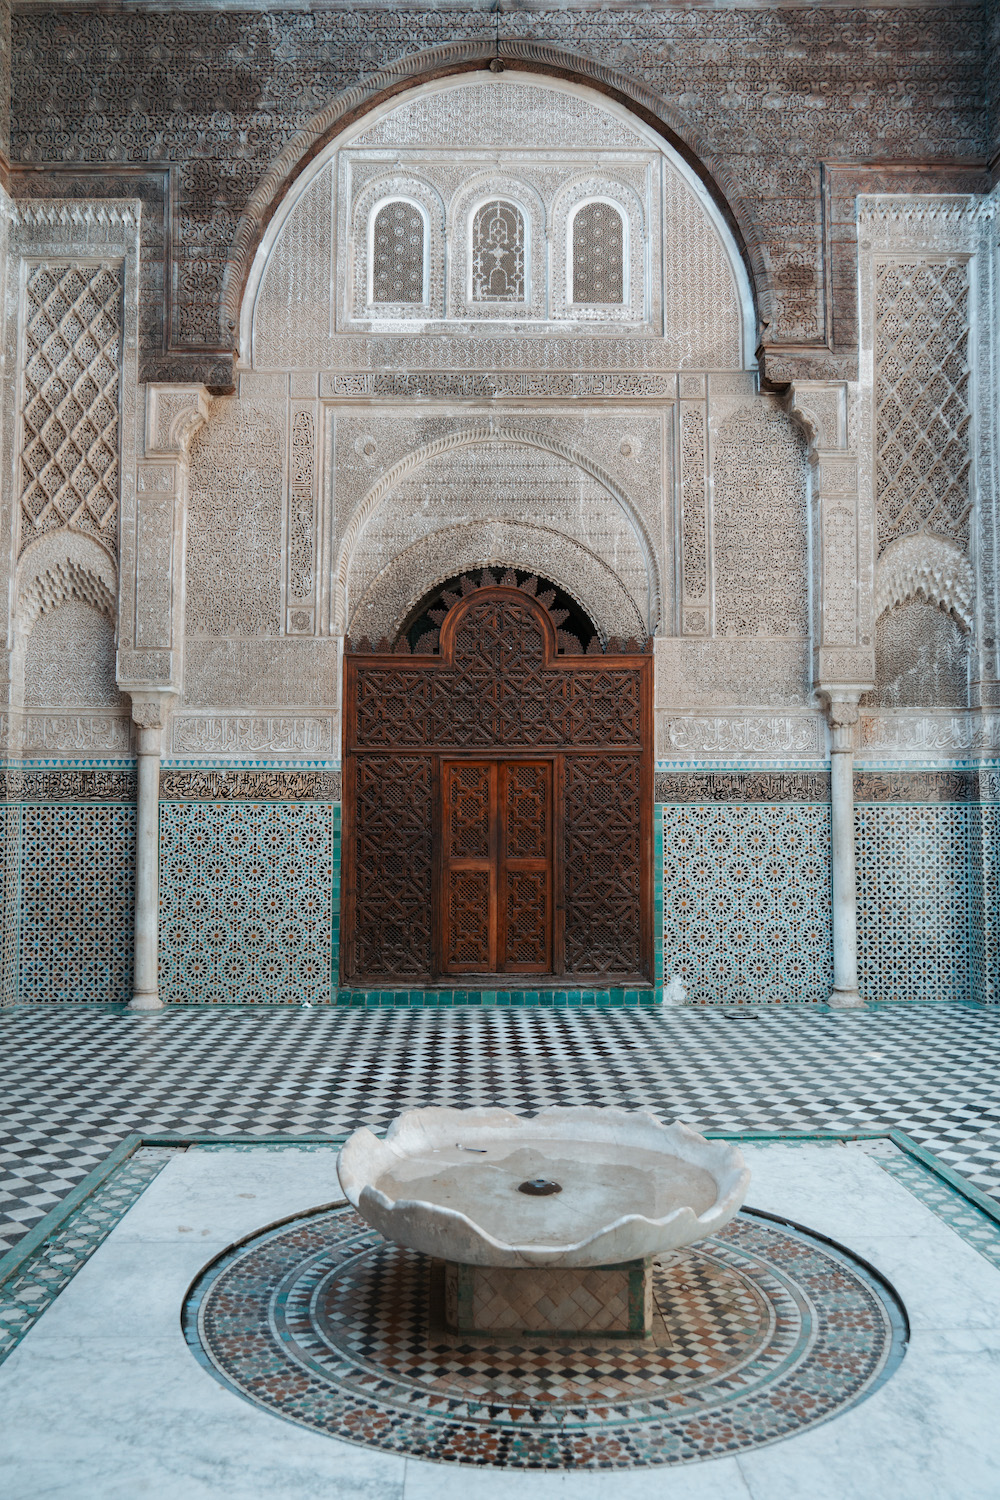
75, 1079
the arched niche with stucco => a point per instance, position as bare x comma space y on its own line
506, 498
546, 142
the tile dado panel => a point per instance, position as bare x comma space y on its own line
745, 911
248, 902
746, 901
746, 886
69, 902
915, 916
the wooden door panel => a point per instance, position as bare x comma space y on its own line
568, 894
525, 867
468, 900
468, 897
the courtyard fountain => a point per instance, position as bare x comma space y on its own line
548, 1224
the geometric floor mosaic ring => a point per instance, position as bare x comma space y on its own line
758, 1333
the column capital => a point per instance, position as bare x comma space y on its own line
843, 713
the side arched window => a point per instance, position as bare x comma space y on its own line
398, 239
598, 254
498, 253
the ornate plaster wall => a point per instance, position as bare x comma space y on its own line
125, 91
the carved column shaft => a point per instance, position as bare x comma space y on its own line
150, 651
145, 987
845, 993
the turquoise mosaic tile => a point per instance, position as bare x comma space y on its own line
915, 912
984, 896
747, 901
500, 999
246, 902
10, 832
75, 903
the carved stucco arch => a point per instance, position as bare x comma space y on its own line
61, 567
413, 573
489, 434
468, 57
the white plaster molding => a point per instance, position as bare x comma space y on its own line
947, 732
256, 732
742, 734
174, 413
96, 734
923, 222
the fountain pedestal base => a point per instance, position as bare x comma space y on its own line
610, 1301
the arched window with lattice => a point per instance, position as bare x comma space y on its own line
499, 253
398, 259
598, 254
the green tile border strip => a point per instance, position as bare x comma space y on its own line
35, 1271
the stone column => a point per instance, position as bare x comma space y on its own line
151, 635
148, 714
843, 715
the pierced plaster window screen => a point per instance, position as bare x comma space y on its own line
70, 415
922, 393
398, 254
498, 259
598, 254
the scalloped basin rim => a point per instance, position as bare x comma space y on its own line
442, 1180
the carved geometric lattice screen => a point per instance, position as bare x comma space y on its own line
398, 254
497, 772
598, 254
922, 400
498, 253
72, 354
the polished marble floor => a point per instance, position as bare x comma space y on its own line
77, 1079
138, 1413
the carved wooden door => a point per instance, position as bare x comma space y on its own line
495, 899
498, 802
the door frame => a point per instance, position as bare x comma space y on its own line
504, 978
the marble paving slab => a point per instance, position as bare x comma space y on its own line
102, 1399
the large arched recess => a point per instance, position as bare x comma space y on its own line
467, 57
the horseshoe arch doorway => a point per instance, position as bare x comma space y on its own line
497, 797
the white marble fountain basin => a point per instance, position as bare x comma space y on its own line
445, 1182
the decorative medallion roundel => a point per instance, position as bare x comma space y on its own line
760, 1332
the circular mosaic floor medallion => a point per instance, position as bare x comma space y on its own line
760, 1332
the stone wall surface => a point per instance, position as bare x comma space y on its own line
207, 99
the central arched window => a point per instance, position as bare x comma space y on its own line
498, 253
398, 258
598, 275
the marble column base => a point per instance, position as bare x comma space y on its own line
613, 1301
146, 1000
845, 1000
